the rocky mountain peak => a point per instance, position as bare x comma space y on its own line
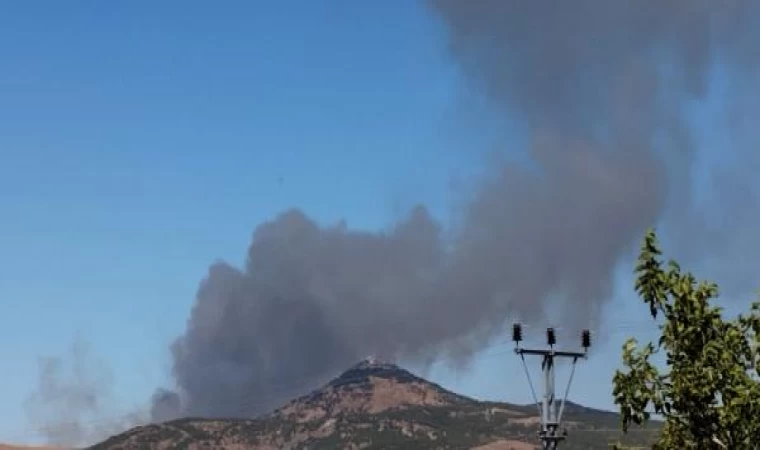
374, 404
373, 368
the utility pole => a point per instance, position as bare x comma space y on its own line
550, 417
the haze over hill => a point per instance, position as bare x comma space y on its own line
26, 447
609, 147
377, 405
600, 96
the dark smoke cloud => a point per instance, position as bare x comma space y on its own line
72, 399
621, 77
601, 88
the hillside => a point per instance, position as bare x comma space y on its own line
377, 405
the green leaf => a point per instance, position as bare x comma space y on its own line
710, 395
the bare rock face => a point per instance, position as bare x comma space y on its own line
375, 405
371, 386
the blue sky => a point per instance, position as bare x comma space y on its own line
141, 141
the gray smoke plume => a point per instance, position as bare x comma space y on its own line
623, 77
602, 89
72, 398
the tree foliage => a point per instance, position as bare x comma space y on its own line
709, 395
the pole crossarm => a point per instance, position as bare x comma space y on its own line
559, 353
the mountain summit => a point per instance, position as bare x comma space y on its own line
374, 405
371, 386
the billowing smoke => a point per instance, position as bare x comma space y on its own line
625, 77
602, 89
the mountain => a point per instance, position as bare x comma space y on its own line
376, 405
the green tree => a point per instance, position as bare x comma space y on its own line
709, 397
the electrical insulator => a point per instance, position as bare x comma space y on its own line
586, 339
551, 338
517, 332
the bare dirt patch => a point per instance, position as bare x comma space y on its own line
505, 444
